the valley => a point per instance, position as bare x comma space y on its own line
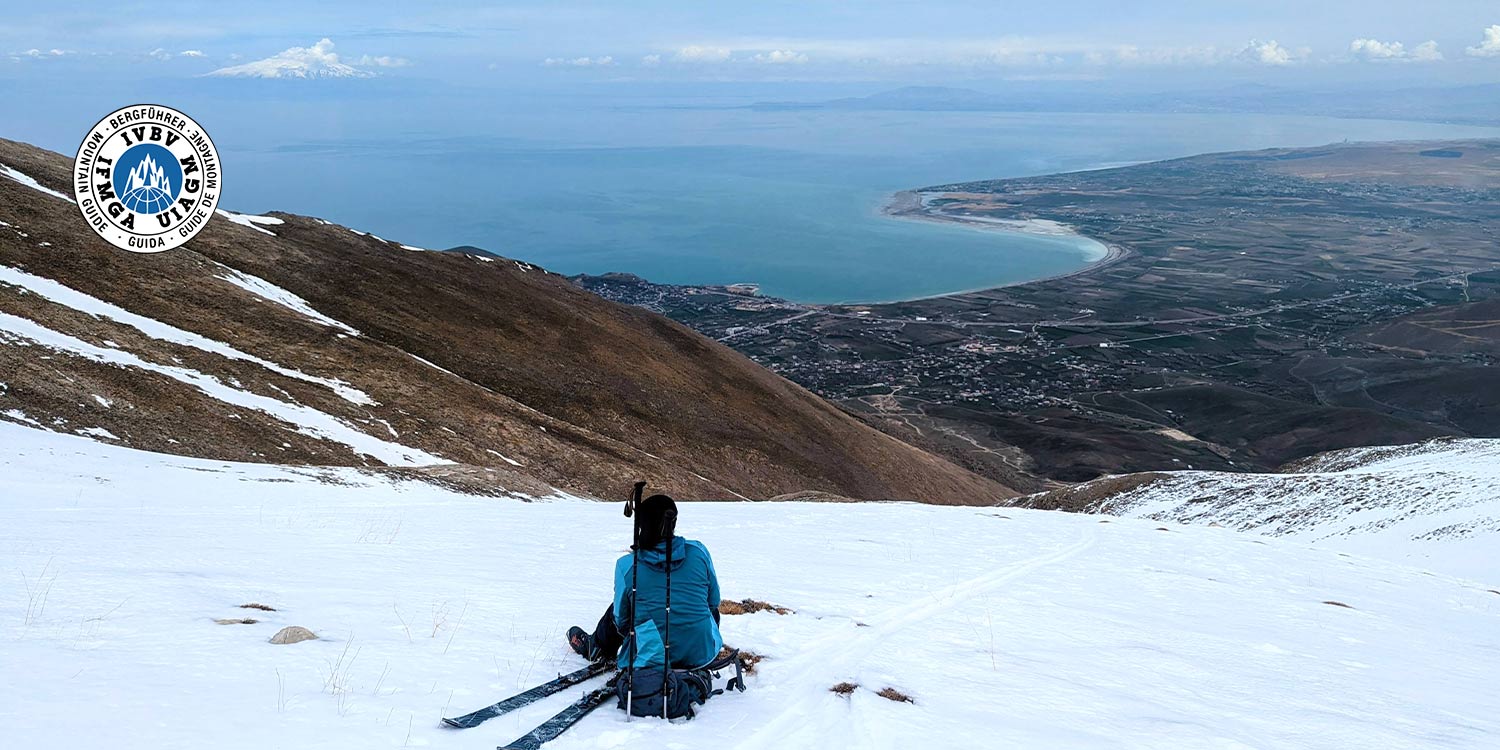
1265, 306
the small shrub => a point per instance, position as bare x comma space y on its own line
844, 688
237, 621
748, 606
1338, 604
748, 659
261, 607
892, 694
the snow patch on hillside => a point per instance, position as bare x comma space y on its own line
307, 420
31, 182
252, 221
272, 293
1008, 628
70, 297
1434, 504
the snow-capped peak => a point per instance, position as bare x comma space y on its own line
317, 61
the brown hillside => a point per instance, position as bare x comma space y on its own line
528, 373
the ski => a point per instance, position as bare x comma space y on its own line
551, 687
549, 730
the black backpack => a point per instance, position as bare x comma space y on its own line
674, 693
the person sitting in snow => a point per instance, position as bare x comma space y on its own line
695, 639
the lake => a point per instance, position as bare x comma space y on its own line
682, 193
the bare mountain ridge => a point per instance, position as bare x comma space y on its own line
288, 339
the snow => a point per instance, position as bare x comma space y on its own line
308, 421
1434, 504
20, 416
69, 297
272, 293
252, 221
314, 62
97, 432
31, 182
1009, 628
503, 457
104, 402
415, 248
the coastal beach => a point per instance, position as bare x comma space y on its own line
917, 205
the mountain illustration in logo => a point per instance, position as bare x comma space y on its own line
147, 188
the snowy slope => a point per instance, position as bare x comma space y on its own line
1434, 504
1009, 628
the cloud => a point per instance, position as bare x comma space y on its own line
1130, 54
1269, 53
190, 53
781, 57
604, 61
697, 53
1377, 51
382, 61
1490, 47
651, 61
159, 54
1426, 52
317, 61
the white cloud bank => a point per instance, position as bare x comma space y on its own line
1377, 51
1269, 53
1490, 47
780, 57
699, 53
603, 61
317, 61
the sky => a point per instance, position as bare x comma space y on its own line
1142, 43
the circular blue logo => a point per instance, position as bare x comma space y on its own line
148, 178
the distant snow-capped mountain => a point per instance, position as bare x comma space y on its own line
317, 61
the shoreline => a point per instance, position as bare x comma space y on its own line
908, 204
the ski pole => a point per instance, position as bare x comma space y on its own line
668, 526
635, 559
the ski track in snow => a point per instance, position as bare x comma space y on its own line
837, 655
1009, 628
70, 297
309, 421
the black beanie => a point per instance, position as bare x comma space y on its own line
658, 518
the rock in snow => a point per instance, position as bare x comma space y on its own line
293, 634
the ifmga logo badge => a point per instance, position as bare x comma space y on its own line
147, 178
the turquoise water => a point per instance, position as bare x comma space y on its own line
788, 200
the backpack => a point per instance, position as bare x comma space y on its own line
674, 693
671, 694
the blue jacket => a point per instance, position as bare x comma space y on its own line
695, 601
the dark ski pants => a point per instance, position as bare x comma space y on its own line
607, 637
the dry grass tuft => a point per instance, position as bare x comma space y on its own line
237, 621
844, 688
892, 694
261, 607
748, 659
1338, 604
747, 606
1162, 528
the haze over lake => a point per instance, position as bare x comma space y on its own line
689, 190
